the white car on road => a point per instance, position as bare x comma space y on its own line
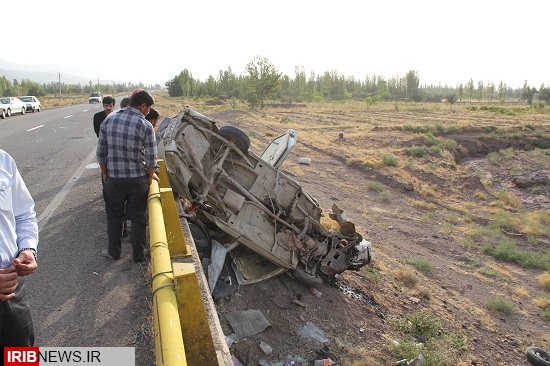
95, 98
11, 105
32, 103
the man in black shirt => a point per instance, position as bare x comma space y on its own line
108, 107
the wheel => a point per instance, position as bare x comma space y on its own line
3, 114
236, 136
201, 239
300, 274
33, 109
537, 356
8, 113
23, 110
38, 109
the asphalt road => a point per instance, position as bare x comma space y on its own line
78, 298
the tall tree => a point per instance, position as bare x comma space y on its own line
544, 94
470, 87
451, 99
263, 78
412, 83
479, 90
528, 93
490, 90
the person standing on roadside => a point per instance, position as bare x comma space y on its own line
153, 117
99, 117
127, 156
125, 102
18, 243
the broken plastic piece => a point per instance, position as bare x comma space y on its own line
315, 292
325, 362
266, 348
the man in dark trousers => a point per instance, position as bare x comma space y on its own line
99, 117
18, 243
127, 156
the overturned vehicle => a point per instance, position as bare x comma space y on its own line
235, 197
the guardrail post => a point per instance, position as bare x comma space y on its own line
176, 241
195, 328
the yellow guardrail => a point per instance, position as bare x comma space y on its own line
169, 349
183, 311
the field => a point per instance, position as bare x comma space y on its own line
455, 201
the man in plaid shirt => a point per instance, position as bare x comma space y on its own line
127, 155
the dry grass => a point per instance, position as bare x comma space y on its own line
423, 205
544, 280
542, 302
406, 277
329, 224
520, 292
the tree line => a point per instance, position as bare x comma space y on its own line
28, 87
262, 82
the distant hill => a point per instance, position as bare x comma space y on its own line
42, 74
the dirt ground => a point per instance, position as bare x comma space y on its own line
357, 313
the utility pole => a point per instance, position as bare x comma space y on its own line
60, 86
98, 86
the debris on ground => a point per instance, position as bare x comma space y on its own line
247, 322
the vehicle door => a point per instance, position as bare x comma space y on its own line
279, 148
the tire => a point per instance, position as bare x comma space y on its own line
3, 114
33, 109
23, 110
310, 281
537, 356
201, 239
38, 109
236, 136
8, 113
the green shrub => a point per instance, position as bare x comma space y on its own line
435, 149
508, 153
546, 314
385, 196
418, 151
375, 186
429, 139
422, 326
421, 264
509, 252
499, 304
389, 160
493, 157
372, 274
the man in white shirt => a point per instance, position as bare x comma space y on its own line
18, 243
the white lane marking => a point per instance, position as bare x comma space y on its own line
34, 128
92, 166
70, 115
86, 110
58, 199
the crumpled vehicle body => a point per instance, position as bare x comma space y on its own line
247, 199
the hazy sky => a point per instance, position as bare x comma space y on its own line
152, 41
